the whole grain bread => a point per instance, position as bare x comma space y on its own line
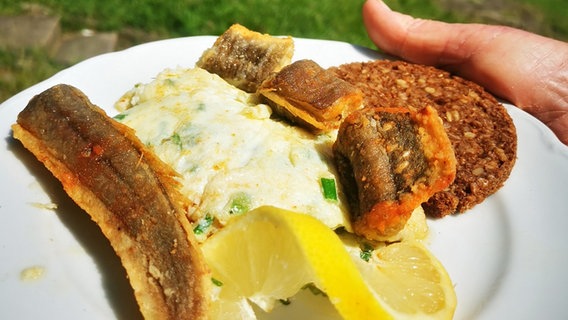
481, 131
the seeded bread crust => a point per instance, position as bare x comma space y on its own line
481, 131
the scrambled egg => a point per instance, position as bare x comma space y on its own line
231, 155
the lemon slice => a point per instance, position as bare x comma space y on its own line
269, 254
408, 280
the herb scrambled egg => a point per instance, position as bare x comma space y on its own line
232, 156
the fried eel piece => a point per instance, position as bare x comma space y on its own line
128, 192
391, 160
311, 96
244, 58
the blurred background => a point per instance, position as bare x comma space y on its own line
119, 24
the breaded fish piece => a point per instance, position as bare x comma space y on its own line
128, 192
391, 160
311, 96
244, 58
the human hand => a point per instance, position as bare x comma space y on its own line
529, 70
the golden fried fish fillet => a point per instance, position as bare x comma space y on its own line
244, 58
311, 96
390, 160
128, 192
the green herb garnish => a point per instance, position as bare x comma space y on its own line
240, 203
176, 139
217, 282
328, 188
203, 224
366, 252
119, 116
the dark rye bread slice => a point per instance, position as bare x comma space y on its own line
481, 131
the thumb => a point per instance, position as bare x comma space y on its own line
529, 70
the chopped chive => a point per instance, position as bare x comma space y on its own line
328, 188
176, 139
366, 252
119, 116
217, 282
240, 203
203, 224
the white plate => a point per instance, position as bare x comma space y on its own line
507, 257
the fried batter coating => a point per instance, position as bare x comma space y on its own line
391, 160
244, 58
311, 96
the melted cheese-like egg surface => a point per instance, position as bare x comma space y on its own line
231, 154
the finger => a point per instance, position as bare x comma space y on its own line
417, 40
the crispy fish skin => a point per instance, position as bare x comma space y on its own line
128, 192
244, 58
311, 96
391, 160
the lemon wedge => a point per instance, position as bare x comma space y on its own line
408, 280
269, 254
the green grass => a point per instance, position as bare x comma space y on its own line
324, 19
555, 13
23, 68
